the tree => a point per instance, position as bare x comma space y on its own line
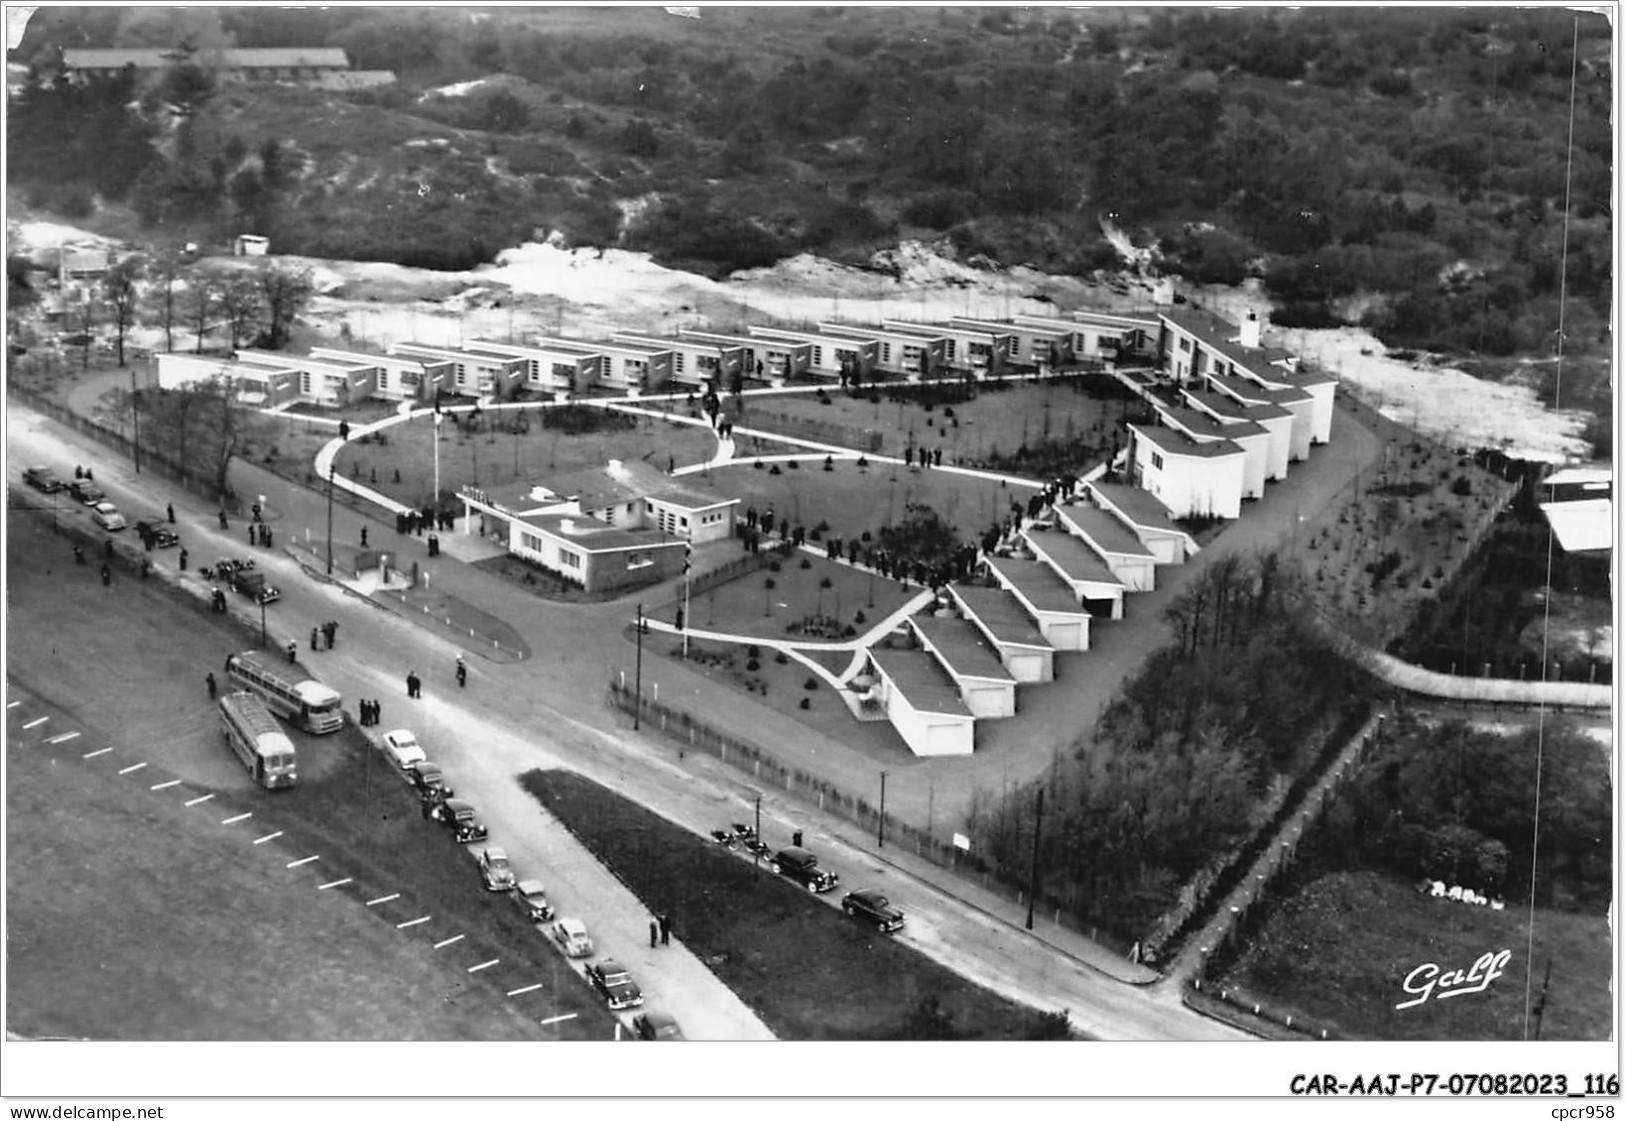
285, 291
123, 297
167, 269
240, 299
202, 299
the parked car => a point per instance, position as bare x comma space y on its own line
802, 866
874, 907
533, 898
107, 515
495, 871
458, 816
156, 532
42, 479
656, 1026
86, 491
245, 581
402, 748
614, 984
429, 780
572, 937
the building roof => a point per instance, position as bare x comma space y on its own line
1037, 584
616, 482
814, 337
1141, 507
1103, 529
1246, 389
1226, 406
610, 346
314, 364
1109, 319
1171, 441
961, 647
753, 341
115, 58
526, 350
1200, 424
1075, 559
450, 353
1000, 614
1581, 526
671, 342
1223, 337
855, 331
993, 326
593, 535
920, 679
1582, 476
389, 361
931, 330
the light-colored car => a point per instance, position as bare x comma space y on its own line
106, 515
572, 937
403, 750
495, 871
533, 898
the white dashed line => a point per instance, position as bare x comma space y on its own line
131, 767
558, 1019
63, 738
35, 723
526, 989
444, 942
166, 785
13, 704
333, 883
301, 860
235, 820
268, 837
383, 899
202, 798
93, 754
412, 922
484, 965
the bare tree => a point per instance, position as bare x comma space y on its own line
167, 270
123, 297
202, 300
240, 300
285, 291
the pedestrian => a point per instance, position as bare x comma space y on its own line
654, 934
377, 711
253, 535
665, 930
330, 629
256, 509
224, 524
412, 683
213, 688
315, 636
462, 674
78, 471
170, 508
936, 455
107, 577
795, 839
293, 651
78, 555
267, 537
363, 537
366, 712
90, 476
184, 555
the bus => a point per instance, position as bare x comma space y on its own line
288, 691
258, 740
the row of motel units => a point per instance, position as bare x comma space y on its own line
622, 525
832, 353
970, 660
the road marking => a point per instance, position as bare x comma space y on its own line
166, 785
202, 798
302, 860
35, 723
412, 922
93, 754
332, 883
558, 1019
484, 965
63, 738
13, 704
132, 767
383, 899
235, 820
526, 989
268, 837
444, 942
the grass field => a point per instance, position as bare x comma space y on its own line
1310, 959
785, 954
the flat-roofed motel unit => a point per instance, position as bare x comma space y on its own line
1192, 478
1250, 436
1026, 654
634, 367
1098, 335
258, 386
832, 352
551, 365
923, 702
1298, 402
778, 359
399, 377
321, 381
966, 349
694, 362
901, 352
1031, 346
473, 374
986, 687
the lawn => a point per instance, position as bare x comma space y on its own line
805, 968
1003, 417
399, 461
1339, 951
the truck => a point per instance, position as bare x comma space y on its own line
254, 585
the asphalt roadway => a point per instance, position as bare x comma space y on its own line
550, 711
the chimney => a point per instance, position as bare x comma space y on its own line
1251, 331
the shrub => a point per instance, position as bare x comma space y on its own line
810, 684
781, 657
806, 702
753, 665
860, 618
806, 562
772, 566
774, 470
1462, 487
753, 651
794, 465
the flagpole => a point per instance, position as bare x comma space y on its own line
434, 434
688, 562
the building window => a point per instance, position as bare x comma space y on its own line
885, 353
1156, 460
531, 542
569, 559
642, 559
683, 522
951, 348
1185, 344
304, 382
818, 356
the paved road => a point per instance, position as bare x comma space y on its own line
550, 711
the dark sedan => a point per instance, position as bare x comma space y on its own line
874, 907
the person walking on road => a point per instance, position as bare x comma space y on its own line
170, 509
213, 688
654, 934
107, 577
665, 930
462, 672
330, 631
253, 538
414, 684
224, 524
183, 556
293, 651
363, 537
315, 639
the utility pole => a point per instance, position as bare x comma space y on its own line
880, 835
1032, 879
262, 623
756, 853
135, 415
637, 703
332, 466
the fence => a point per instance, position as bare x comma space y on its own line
824, 431
696, 734
156, 462
740, 566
